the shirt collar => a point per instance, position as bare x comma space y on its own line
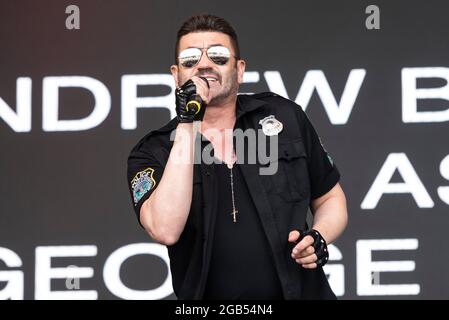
247, 103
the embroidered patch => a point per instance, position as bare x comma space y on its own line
271, 126
142, 182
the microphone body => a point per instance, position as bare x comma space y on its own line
194, 103
189, 105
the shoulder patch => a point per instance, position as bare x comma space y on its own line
142, 182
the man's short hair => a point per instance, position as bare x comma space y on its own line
207, 22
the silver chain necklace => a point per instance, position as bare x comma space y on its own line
234, 210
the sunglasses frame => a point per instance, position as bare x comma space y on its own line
207, 54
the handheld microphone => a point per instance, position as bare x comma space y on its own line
195, 102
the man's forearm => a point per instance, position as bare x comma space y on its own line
331, 217
164, 215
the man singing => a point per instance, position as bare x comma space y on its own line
231, 231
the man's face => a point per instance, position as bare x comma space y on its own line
227, 77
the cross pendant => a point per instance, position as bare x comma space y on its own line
234, 214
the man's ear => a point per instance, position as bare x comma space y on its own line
241, 64
174, 72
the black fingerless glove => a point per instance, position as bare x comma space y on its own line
319, 244
189, 105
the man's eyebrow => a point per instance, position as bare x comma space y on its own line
212, 45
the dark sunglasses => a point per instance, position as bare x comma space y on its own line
190, 57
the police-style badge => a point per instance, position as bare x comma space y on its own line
271, 126
142, 182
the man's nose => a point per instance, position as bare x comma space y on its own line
204, 61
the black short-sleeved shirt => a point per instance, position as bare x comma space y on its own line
305, 172
241, 264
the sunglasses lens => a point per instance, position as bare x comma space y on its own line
219, 55
189, 57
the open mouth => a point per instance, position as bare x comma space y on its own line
211, 79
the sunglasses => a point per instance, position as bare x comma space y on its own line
190, 57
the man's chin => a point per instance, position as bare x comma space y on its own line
218, 99
221, 97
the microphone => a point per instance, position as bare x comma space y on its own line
195, 102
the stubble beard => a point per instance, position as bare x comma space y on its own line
228, 89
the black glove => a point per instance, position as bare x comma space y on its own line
189, 105
319, 244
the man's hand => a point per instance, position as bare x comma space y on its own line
310, 250
202, 88
196, 89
